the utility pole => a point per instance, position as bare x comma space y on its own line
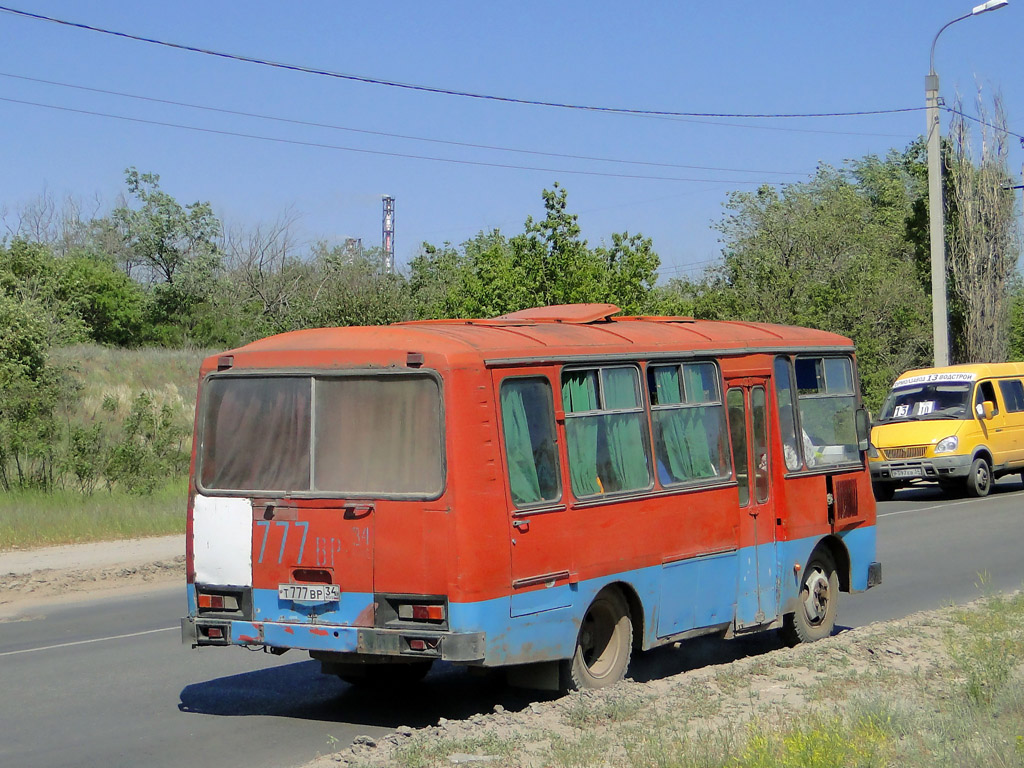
936, 223
936, 218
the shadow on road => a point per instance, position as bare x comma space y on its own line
299, 690
931, 492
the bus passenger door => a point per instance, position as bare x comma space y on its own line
541, 551
757, 592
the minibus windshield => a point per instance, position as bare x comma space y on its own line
926, 401
349, 435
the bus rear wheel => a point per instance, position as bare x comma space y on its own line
603, 644
815, 616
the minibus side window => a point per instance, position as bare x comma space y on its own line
528, 422
986, 393
688, 418
604, 429
1013, 394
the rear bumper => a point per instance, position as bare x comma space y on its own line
934, 469
410, 644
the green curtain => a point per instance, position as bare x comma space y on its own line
579, 393
695, 391
522, 469
666, 383
697, 442
626, 452
683, 432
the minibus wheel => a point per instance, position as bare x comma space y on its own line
815, 616
979, 481
603, 644
883, 491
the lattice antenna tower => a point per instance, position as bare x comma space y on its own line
388, 234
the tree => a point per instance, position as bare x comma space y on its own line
830, 253
172, 242
548, 263
983, 240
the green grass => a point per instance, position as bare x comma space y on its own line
37, 519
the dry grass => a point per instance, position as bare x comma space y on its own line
942, 688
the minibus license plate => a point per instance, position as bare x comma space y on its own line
909, 472
309, 593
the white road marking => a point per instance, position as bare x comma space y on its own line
87, 642
948, 504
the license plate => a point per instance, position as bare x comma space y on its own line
909, 472
309, 593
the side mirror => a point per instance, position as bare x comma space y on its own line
988, 410
863, 429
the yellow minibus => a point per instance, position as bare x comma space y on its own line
961, 426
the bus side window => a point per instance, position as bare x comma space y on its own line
827, 401
787, 421
688, 417
605, 430
528, 422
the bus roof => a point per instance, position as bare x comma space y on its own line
539, 334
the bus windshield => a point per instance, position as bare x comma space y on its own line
342, 435
926, 401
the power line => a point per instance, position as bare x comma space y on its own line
979, 121
337, 147
312, 124
445, 91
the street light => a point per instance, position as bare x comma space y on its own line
936, 222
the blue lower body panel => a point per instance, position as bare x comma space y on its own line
678, 597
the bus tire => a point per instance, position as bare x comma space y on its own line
815, 616
603, 644
382, 675
979, 480
883, 491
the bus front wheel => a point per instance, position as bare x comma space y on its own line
603, 644
815, 616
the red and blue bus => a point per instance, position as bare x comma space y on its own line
546, 491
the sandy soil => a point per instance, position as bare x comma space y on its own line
612, 726
58, 574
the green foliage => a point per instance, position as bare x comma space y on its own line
829, 253
150, 448
177, 244
548, 263
109, 303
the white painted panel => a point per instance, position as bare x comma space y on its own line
222, 541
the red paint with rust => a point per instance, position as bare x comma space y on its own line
461, 544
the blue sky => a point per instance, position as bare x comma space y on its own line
729, 57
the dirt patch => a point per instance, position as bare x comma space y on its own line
18, 589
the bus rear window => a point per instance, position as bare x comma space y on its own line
344, 435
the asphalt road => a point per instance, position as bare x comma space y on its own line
108, 683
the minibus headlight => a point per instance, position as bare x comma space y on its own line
946, 444
872, 451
